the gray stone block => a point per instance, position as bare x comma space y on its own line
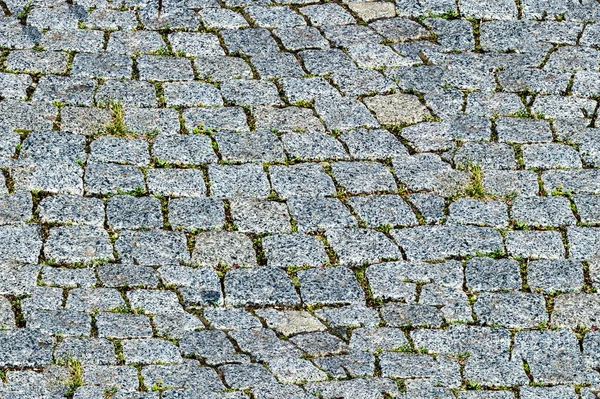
259, 286
152, 247
330, 286
283, 250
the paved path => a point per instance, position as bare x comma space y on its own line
229, 199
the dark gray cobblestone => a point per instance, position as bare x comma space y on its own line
248, 199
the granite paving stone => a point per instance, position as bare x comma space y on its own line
293, 249
113, 275
296, 199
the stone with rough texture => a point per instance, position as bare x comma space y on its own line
290, 199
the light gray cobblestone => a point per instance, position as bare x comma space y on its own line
299, 199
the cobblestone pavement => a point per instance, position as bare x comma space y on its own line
228, 199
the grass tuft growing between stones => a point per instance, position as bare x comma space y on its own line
475, 189
76, 375
116, 127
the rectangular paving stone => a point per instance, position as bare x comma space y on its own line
21, 243
71, 209
289, 119
62, 16
160, 68
259, 286
28, 116
196, 213
249, 147
192, 94
151, 120
69, 277
188, 375
495, 372
487, 274
102, 65
301, 180
313, 146
550, 156
52, 146
542, 211
129, 93
36, 61
477, 212
154, 301
277, 65
312, 214
15, 208
114, 275
379, 210
176, 182
130, 43
220, 68
94, 299
60, 322
245, 92
116, 325
228, 119
330, 286
196, 44
223, 247
14, 86
519, 130
103, 178
356, 247
25, 348
583, 242
128, 212
284, 250
511, 309
555, 275
51, 175
152, 247
254, 41
66, 90
246, 180
259, 216
120, 150
438, 242
87, 350
197, 286
81, 40
480, 342
535, 244
363, 177
49, 298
